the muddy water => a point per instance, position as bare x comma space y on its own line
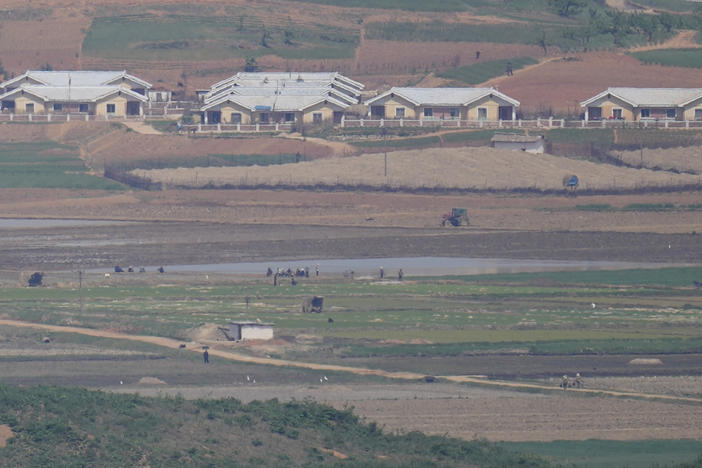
411, 266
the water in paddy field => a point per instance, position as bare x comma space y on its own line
21, 223
411, 266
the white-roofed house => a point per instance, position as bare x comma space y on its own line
645, 104
486, 104
247, 106
93, 93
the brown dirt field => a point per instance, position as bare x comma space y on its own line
391, 57
687, 158
536, 417
471, 168
111, 146
368, 210
563, 84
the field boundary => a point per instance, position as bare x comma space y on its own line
406, 376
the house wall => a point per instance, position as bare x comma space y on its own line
327, 111
227, 109
490, 103
22, 101
254, 332
609, 104
120, 103
391, 103
688, 113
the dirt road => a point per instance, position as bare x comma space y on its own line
404, 376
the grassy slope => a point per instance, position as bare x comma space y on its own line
46, 165
74, 427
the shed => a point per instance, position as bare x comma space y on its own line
242, 331
511, 141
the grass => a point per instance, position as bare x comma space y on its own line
190, 37
400, 143
689, 58
483, 71
76, 427
638, 309
212, 160
612, 454
47, 165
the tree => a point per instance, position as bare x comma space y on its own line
567, 8
2, 70
251, 65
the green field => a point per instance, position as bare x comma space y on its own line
480, 72
615, 454
47, 165
690, 58
190, 37
637, 310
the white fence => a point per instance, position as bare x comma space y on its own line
538, 123
245, 128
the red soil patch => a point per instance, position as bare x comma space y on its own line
563, 84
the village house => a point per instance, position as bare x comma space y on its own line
641, 104
290, 97
486, 104
102, 93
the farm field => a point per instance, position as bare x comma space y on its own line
471, 169
453, 354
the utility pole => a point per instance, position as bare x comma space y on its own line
80, 289
384, 131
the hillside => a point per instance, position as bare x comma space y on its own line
74, 427
180, 47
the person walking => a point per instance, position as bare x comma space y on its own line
206, 357
564, 383
400, 274
382, 273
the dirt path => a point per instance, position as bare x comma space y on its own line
406, 376
143, 128
682, 40
501, 78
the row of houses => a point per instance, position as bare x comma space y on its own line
315, 98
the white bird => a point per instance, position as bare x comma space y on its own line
321, 380
325, 378
593, 305
121, 383
248, 379
254, 380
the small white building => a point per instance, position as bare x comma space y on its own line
242, 331
510, 141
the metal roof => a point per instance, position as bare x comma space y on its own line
74, 93
653, 97
276, 103
287, 91
76, 77
443, 96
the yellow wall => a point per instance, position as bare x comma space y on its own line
120, 103
609, 104
689, 111
392, 103
227, 109
491, 104
22, 101
327, 111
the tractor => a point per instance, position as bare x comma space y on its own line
457, 217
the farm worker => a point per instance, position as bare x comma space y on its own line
564, 382
382, 273
206, 357
400, 274
316, 270
578, 380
